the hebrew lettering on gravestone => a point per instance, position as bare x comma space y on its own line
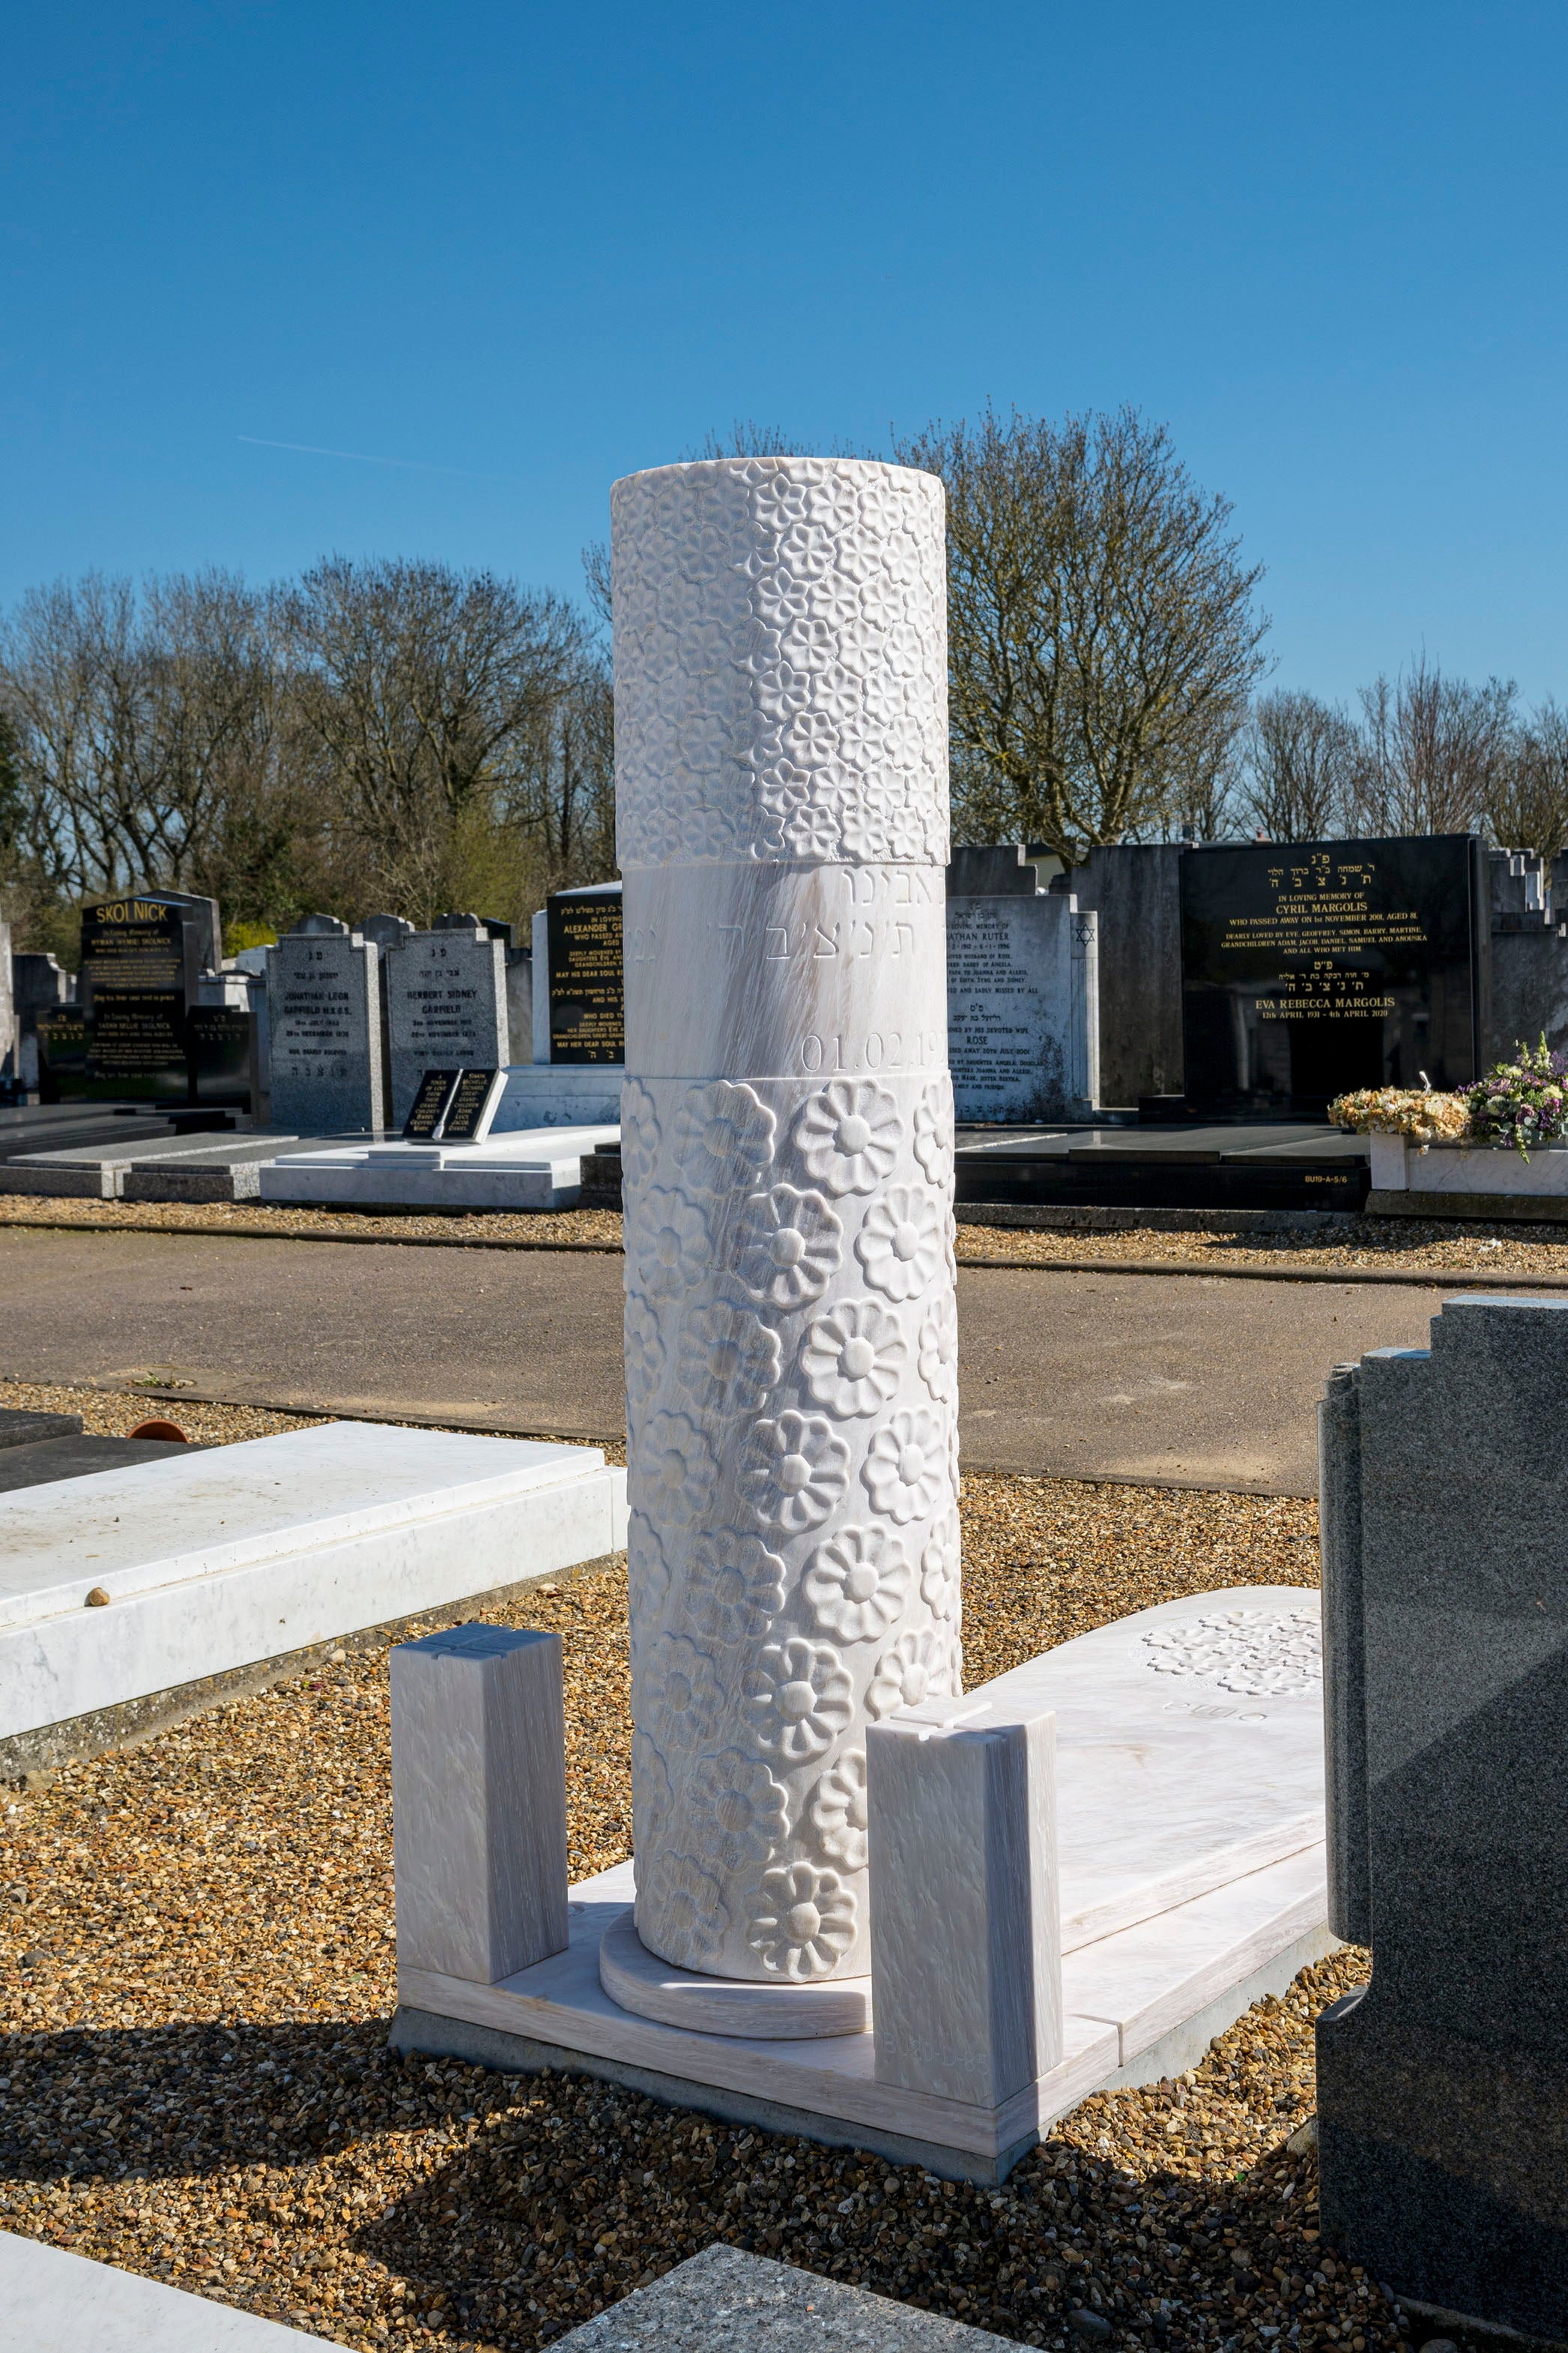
788, 1158
1311, 967
587, 997
1443, 2087
324, 1001
446, 1005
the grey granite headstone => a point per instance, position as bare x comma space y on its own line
1443, 2086
324, 1019
445, 1006
725, 2301
1022, 1006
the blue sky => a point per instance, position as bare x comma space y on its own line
538, 247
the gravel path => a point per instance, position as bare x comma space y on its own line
1377, 1245
197, 1969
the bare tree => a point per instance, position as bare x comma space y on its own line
426, 691
1298, 768
1526, 807
137, 719
1429, 751
1101, 633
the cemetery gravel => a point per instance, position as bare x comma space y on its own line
1366, 1245
196, 1966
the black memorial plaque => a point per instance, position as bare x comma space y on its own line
218, 1039
429, 1106
474, 1101
1309, 968
137, 971
62, 1054
588, 1001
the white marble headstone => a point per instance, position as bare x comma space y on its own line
787, 1168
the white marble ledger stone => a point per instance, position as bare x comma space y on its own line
479, 1799
966, 1940
787, 1174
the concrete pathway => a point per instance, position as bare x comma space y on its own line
1087, 1376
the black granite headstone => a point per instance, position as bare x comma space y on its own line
1309, 968
218, 1040
428, 1109
139, 961
588, 1001
473, 1106
62, 1054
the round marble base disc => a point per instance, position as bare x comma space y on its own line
639, 1982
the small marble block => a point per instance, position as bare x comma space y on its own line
965, 1936
478, 1797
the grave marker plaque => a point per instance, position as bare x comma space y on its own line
138, 975
445, 1004
1311, 967
434, 1095
325, 1049
587, 1002
473, 1106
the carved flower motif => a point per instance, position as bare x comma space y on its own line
651, 1793
726, 1360
644, 1350
813, 830
670, 1244
848, 1136
648, 1572
737, 1809
798, 1699
939, 1347
794, 1470
805, 1922
677, 1469
734, 1586
857, 1583
852, 1358
723, 1135
916, 1667
933, 1132
906, 1470
681, 1697
788, 1246
682, 1906
639, 1133
900, 1245
839, 1812
941, 1567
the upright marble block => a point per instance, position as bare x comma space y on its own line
325, 1044
479, 1799
1443, 2088
787, 1169
445, 1006
967, 1933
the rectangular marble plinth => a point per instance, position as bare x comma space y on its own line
60, 2303
218, 1559
1123, 1996
530, 1168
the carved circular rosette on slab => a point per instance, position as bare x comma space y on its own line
787, 1179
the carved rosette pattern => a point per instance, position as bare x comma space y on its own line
792, 1423
791, 1342
781, 663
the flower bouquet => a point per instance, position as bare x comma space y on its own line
1423, 1113
1524, 1102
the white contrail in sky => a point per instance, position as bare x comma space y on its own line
362, 457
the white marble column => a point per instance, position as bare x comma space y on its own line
780, 753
